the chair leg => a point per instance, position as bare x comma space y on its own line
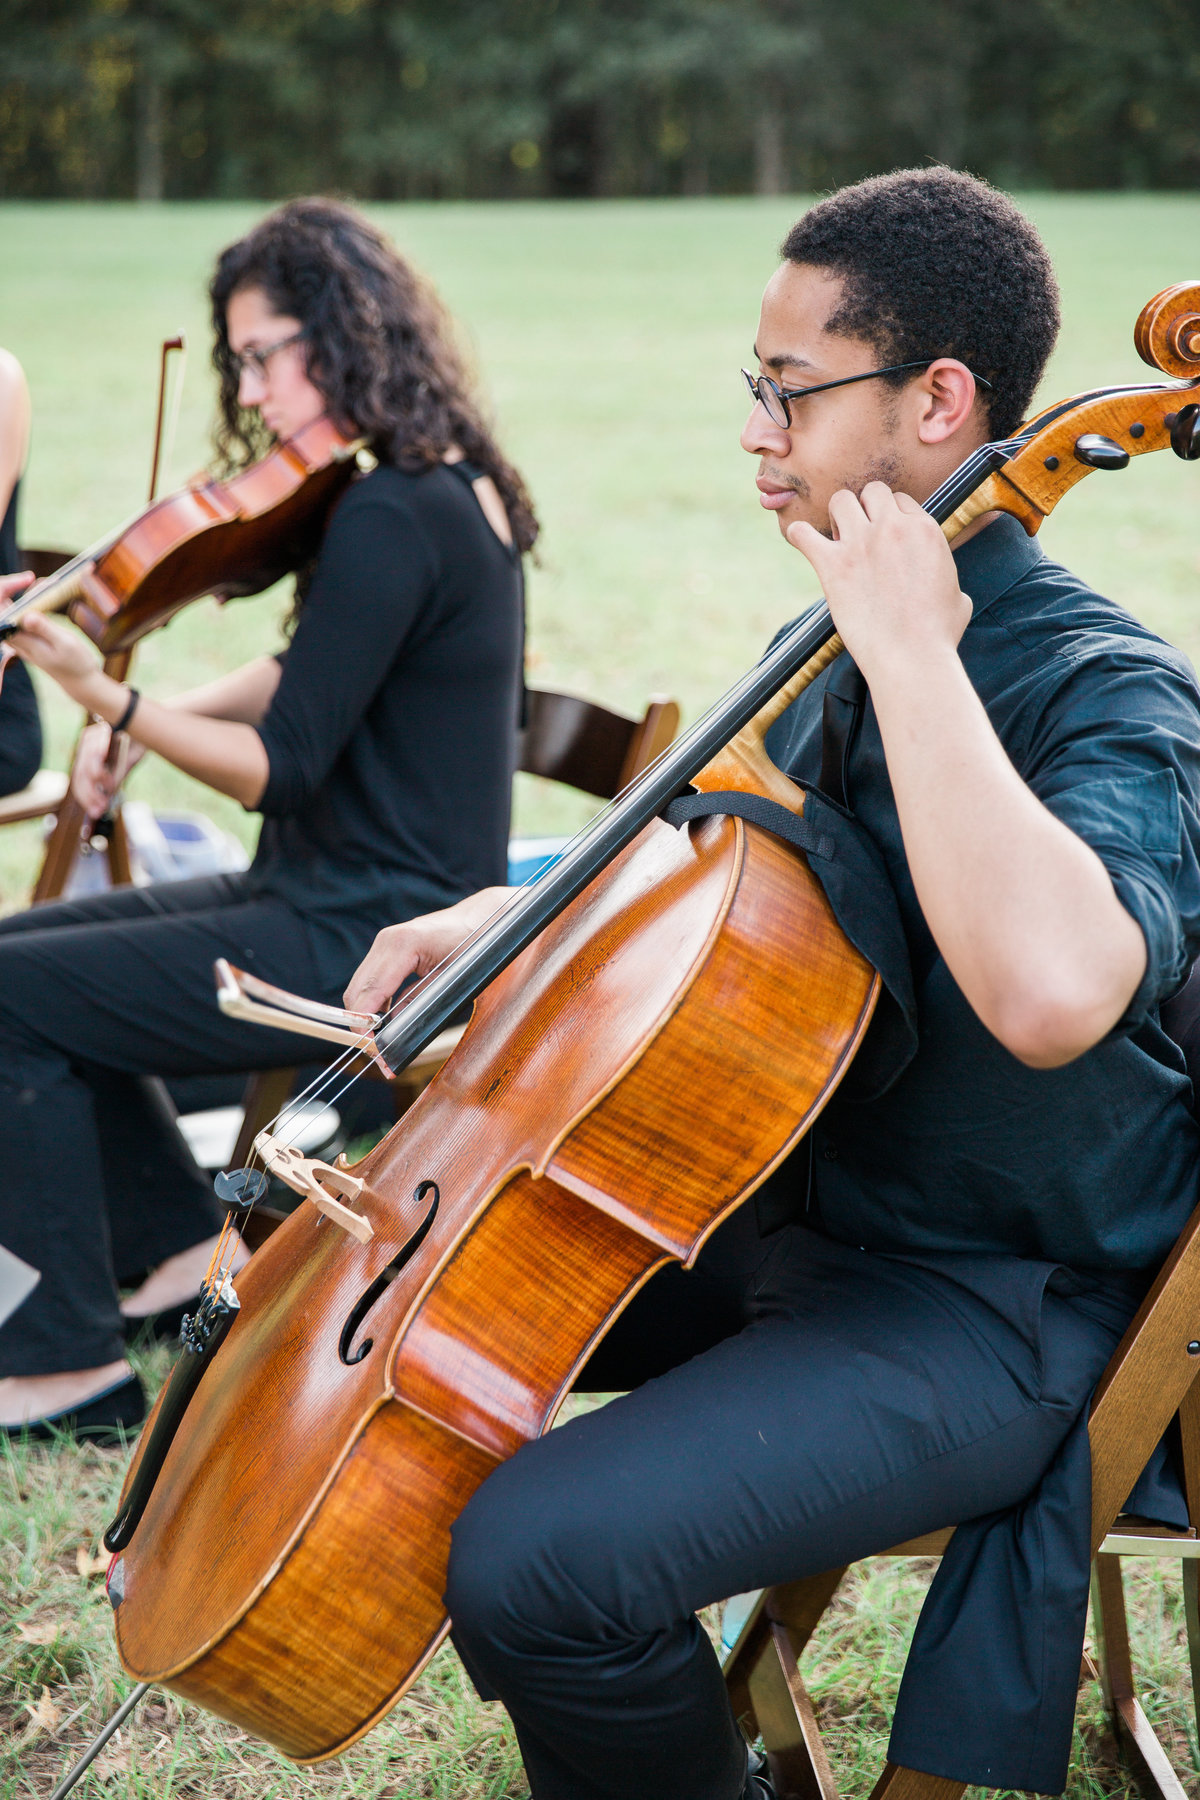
116, 849
1135, 1735
1191, 1608
767, 1692
59, 854
796, 1756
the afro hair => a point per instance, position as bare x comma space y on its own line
934, 262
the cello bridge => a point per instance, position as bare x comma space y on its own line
326, 1186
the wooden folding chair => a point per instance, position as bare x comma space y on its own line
566, 739
1148, 1382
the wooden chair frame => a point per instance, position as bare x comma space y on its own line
1148, 1382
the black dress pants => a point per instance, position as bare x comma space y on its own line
866, 1399
98, 996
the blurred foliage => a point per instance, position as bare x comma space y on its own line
404, 99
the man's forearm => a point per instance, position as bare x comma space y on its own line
1022, 910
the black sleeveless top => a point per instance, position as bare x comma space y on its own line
20, 726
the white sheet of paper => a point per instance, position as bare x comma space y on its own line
17, 1282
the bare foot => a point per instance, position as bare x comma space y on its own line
25, 1397
176, 1280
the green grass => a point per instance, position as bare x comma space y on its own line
610, 337
440, 1743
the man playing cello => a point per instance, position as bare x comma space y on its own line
903, 1332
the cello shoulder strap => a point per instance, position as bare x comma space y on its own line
842, 710
758, 810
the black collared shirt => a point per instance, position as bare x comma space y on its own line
1094, 1165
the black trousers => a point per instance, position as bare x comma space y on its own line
865, 1399
97, 997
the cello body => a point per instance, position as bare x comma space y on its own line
621, 1087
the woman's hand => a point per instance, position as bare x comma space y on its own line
12, 585
60, 652
93, 783
416, 947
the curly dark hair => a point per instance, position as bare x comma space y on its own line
937, 263
380, 346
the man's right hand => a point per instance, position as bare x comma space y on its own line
416, 947
92, 782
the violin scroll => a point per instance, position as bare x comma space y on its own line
1167, 333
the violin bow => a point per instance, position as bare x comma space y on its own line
117, 663
72, 828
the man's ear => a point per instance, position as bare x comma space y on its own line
948, 392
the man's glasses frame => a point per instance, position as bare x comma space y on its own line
256, 360
774, 399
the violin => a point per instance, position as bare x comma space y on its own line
658, 1019
222, 537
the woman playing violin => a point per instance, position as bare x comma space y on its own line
378, 748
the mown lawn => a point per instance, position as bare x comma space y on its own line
610, 338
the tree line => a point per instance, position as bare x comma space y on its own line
406, 99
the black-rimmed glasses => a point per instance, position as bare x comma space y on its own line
774, 399
256, 360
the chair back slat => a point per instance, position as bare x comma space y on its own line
588, 746
44, 562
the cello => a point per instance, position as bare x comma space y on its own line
329, 1420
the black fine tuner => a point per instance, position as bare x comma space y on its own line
240, 1189
1100, 452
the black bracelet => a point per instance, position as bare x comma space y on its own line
130, 709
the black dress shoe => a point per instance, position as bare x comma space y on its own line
104, 1419
158, 1327
758, 1786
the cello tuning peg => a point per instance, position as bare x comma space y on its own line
1100, 452
1185, 433
240, 1189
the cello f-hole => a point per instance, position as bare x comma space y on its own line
363, 1305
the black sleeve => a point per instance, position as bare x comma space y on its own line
375, 570
20, 729
1118, 761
